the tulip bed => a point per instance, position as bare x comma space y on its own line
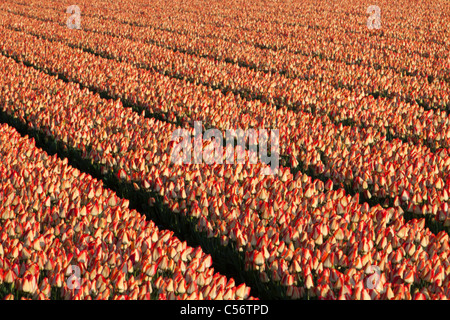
54, 217
304, 232
379, 163
410, 121
199, 29
273, 86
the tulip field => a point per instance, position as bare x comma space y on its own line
348, 99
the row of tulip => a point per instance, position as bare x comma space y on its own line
335, 33
390, 116
361, 159
56, 219
315, 243
172, 99
102, 131
421, 46
139, 87
272, 86
416, 54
